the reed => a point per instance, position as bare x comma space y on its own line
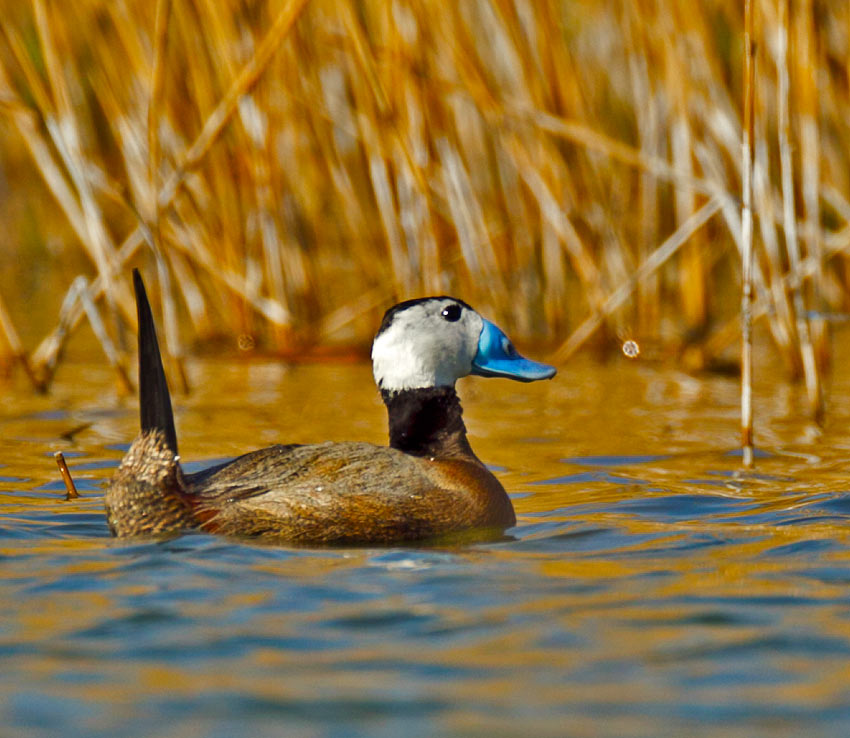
747, 235
789, 212
290, 167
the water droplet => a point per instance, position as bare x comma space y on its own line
631, 349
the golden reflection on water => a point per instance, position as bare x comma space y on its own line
649, 585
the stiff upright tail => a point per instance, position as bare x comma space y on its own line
154, 398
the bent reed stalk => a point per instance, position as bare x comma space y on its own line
292, 167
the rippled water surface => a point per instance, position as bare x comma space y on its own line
649, 589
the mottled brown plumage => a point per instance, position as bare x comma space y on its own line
147, 495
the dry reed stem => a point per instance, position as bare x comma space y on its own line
70, 488
762, 284
807, 73
650, 136
9, 331
691, 271
157, 83
747, 237
16, 348
837, 202
763, 200
193, 297
116, 360
169, 322
792, 245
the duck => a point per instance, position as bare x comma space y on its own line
427, 484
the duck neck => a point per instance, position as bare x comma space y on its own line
427, 422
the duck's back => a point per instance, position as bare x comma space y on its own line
347, 493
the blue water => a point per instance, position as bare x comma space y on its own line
651, 588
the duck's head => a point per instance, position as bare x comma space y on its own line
434, 341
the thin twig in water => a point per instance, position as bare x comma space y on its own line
71, 489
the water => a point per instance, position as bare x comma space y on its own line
649, 589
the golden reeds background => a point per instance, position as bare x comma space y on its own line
290, 168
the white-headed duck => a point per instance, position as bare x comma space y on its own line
426, 484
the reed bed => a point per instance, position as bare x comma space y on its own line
289, 168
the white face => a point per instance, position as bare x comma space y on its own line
430, 343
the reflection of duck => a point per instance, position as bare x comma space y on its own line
425, 484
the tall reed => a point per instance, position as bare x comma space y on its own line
748, 137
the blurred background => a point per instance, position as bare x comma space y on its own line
283, 171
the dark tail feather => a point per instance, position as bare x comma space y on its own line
154, 399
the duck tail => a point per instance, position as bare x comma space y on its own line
154, 398
148, 493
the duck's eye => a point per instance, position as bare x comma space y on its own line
451, 313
